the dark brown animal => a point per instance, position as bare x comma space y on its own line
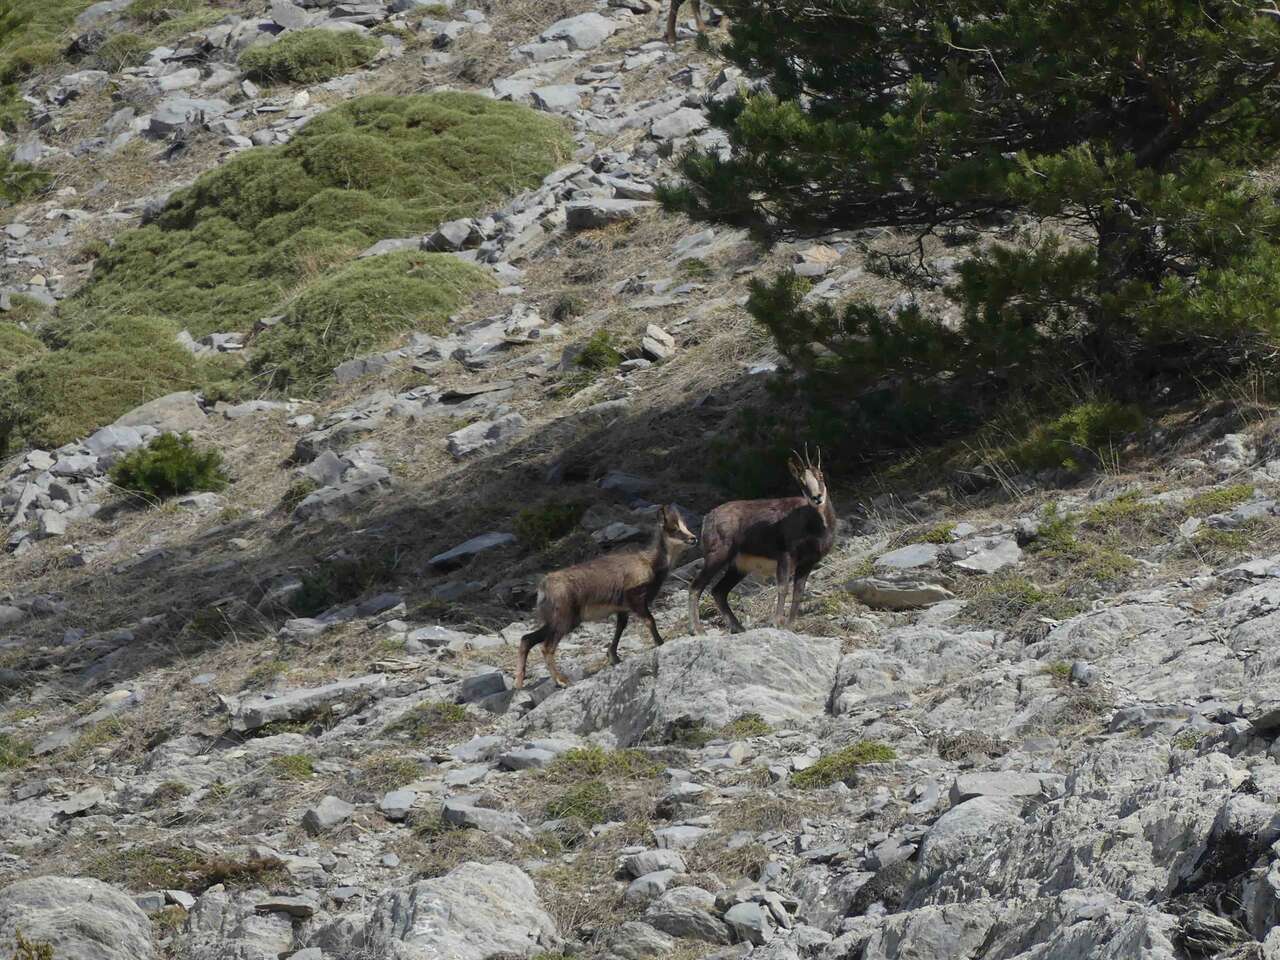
673, 12
781, 538
619, 583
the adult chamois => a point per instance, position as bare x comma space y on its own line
620, 583
781, 538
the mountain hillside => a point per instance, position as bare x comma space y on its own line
327, 328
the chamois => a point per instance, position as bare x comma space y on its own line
784, 538
674, 11
619, 583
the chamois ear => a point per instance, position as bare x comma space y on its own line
662, 516
795, 465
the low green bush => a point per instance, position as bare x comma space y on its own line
122, 50
309, 56
841, 765
539, 527
359, 308
169, 466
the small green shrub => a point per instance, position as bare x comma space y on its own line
841, 765
1060, 672
16, 347
588, 802
1187, 740
24, 949
599, 353
746, 726
565, 306
1219, 500
595, 762
939, 534
293, 766
358, 309
388, 771
308, 56
1091, 430
339, 581
298, 491
695, 268
539, 527
432, 722
122, 50
169, 466
14, 753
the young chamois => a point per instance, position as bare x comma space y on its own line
673, 12
619, 583
784, 538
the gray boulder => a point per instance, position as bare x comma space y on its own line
485, 435
637, 941
253, 712
330, 812
897, 593
81, 919
598, 212
583, 32
459, 555
174, 412
965, 830
782, 676
474, 912
687, 912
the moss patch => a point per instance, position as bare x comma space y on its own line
308, 56
841, 765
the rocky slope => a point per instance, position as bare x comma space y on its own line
1029, 721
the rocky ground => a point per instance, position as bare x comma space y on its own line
1035, 719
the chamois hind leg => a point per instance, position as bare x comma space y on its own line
527, 643
617, 636
672, 13
786, 574
720, 594
797, 594
710, 570
549, 655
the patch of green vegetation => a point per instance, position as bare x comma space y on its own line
98, 735
598, 356
842, 764
308, 56
24, 949
14, 752
1010, 601
168, 792
19, 181
359, 308
1187, 740
539, 527
122, 50
432, 722
339, 581
955, 747
31, 36
582, 763
168, 466
152, 13
746, 726
388, 771
1060, 672
293, 766
937, 534
1098, 563
16, 347
298, 491
1079, 439
565, 306
695, 268
239, 242
264, 673
171, 867
1215, 546
1218, 501
96, 375
588, 802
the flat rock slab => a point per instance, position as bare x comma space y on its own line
909, 557
784, 677
174, 412
251, 713
1001, 783
80, 919
905, 593
477, 911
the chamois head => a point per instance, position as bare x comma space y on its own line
809, 475
674, 530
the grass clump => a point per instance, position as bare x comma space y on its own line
1010, 601
19, 181
746, 726
539, 527
582, 763
587, 802
936, 534
1187, 740
24, 949
293, 766
98, 373
171, 867
388, 771
359, 308
308, 56
16, 347
122, 50
247, 236
14, 752
597, 356
433, 722
339, 581
1219, 500
1084, 561
842, 765
168, 466
1083, 437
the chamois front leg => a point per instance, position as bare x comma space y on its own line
672, 14
797, 594
617, 636
786, 573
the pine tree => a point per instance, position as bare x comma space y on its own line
1129, 133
